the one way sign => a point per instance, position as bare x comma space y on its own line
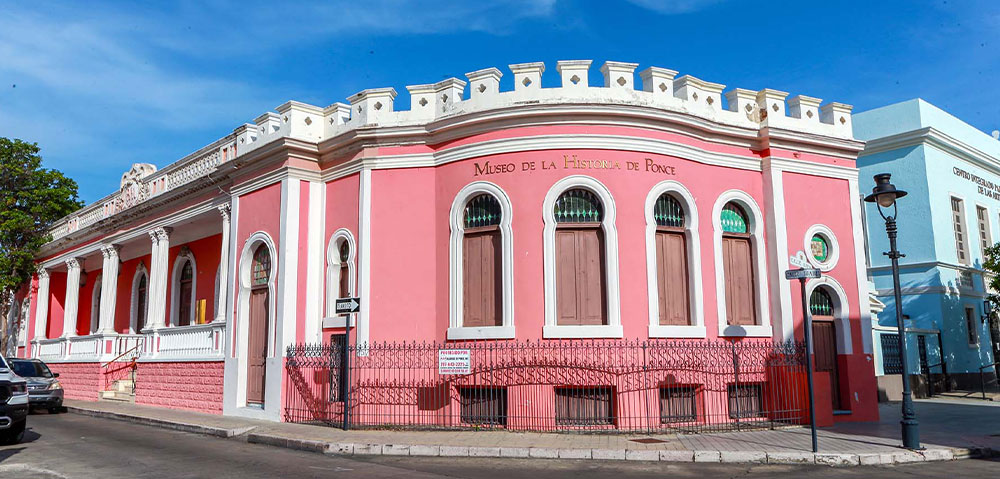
348, 305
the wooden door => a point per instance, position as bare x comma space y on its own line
672, 278
737, 261
481, 289
580, 291
257, 346
825, 353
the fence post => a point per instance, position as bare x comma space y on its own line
736, 385
347, 377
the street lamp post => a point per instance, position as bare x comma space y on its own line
884, 195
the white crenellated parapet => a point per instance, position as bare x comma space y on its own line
619, 75
744, 102
772, 107
448, 92
804, 108
245, 135
527, 76
372, 106
836, 114
301, 121
658, 81
484, 83
699, 93
574, 73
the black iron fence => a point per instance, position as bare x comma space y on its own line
600, 385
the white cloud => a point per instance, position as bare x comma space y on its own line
674, 7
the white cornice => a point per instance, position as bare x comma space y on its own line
937, 139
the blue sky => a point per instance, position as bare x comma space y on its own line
102, 86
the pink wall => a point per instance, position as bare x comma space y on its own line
206, 252
85, 310
123, 306
259, 210
303, 263
418, 201
57, 295
192, 386
341, 212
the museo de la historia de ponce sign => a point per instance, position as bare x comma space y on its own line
573, 162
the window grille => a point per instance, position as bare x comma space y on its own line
482, 210
970, 324
260, 270
746, 401
678, 404
483, 405
958, 221
667, 211
578, 206
820, 303
344, 251
891, 362
734, 220
584, 406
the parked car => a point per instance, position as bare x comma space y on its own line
44, 390
13, 405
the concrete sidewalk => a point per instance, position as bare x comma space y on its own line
783, 446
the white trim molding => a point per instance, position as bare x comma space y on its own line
552, 329
456, 330
696, 329
175, 290
140, 272
841, 310
833, 253
331, 319
756, 225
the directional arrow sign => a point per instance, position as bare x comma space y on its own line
348, 305
800, 260
802, 273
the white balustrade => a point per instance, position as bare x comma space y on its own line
50, 349
203, 341
85, 348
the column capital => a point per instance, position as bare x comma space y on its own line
224, 210
42, 272
110, 250
159, 234
73, 263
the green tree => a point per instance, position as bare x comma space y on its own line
31, 199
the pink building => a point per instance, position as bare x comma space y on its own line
666, 212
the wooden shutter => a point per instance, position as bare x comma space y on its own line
672, 277
481, 291
737, 260
580, 276
140, 313
184, 298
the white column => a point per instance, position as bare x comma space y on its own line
157, 311
364, 259
72, 303
109, 289
42, 306
220, 309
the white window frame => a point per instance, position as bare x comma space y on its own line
833, 253
133, 321
95, 303
967, 249
551, 328
755, 220
695, 294
983, 228
175, 290
456, 328
331, 319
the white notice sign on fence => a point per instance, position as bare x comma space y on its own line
454, 361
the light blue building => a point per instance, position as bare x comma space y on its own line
952, 173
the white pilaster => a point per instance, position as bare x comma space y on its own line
42, 306
109, 289
72, 303
315, 262
364, 258
220, 309
777, 244
288, 267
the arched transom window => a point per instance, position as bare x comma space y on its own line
737, 256
671, 262
185, 285
820, 303
482, 291
581, 297
260, 269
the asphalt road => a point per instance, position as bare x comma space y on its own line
75, 446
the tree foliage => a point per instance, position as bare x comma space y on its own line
991, 263
32, 198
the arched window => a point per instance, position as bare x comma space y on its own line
344, 287
581, 296
824, 338
820, 303
737, 257
95, 305
482, 301
671, 262
260, 271
185, 291
140, 300
259, 307
340, 276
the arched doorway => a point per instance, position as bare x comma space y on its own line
259, 305
824, 336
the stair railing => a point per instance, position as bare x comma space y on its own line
122, 365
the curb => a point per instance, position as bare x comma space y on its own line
175, 425
648, 455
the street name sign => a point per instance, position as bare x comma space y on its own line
348, 305
799, 259
805, 273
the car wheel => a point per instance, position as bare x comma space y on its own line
54, 410
15, 434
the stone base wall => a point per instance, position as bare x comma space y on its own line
192, 386
79, 380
